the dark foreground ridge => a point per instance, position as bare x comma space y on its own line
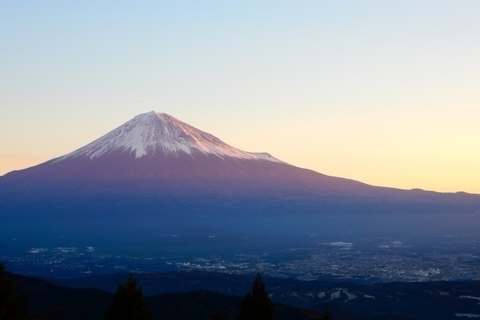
204, 294
47, 301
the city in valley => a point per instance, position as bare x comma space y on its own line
362, 262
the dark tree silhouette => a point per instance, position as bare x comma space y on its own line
129, 303
216, 316
326, 314
256, 305
13, 306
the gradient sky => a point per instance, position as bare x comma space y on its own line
385, 92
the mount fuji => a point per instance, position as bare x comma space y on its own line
157, 154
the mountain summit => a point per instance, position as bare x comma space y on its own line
154, 133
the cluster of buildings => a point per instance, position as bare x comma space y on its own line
332, 261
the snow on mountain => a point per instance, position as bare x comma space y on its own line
266, 156
153, 132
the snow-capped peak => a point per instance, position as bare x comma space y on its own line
153, 132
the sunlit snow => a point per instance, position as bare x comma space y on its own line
153, 132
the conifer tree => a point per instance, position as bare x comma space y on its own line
256, 304
129, 303
13, 306
326, 314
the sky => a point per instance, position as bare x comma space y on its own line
384, 92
